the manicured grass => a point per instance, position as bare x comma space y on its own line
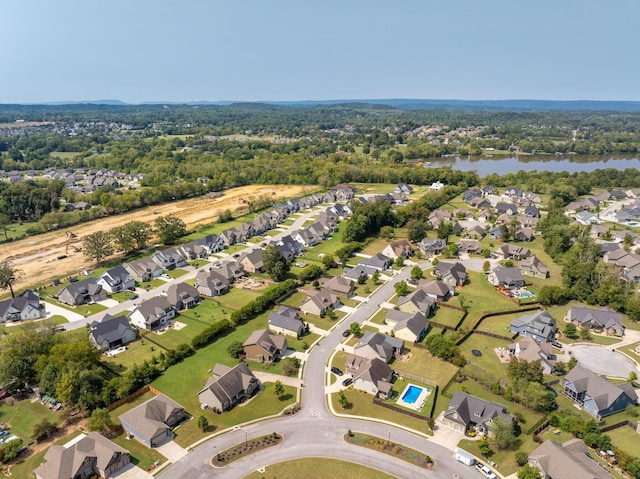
399, 385
349, 302
235, 248
122, 296
154, 283
376, 246
595, 339
295, 300
630, 350
236, 298
322, 323
424, 365
505, 460
489, 359
362, 405
318, 468
447, 316
556, 435
379, 317
366, 288
199, 263
480, 297
22, 415
501, 324
141, 455
626, 439
298, 344
87, 309
176, 273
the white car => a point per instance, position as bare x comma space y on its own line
485, 471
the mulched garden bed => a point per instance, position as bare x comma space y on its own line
244, 449
410, 455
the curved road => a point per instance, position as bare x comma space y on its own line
314, 432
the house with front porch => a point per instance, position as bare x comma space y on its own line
228, 386
26, 305
263, 346
373, 376
143, 270
169, 259
111, 332
152, 314
532, 266
466, 412
116, 280
182, 296
601, 320
416, 302
410, 327
211, 283
152, 422
320, 302
376, 345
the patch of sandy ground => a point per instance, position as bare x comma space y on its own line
36, 255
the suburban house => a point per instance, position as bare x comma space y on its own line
451, 274
252, 261
529, 350
262, 346
26, 305
151, 422
532, 266
375, 345
111, 332
469, 246
377, 261
373, 376
228, 386
93, 455
513, 191
470, 195
436, 289
481, 203
143, 270
469, 412
398, 248
231, 270
410, 327
229, 236
540, 326
587, 218
211, 283
595, 394
358, 272
182, 296
604, 319
286, 321
523, 234
416, 302
306, 237
509, 278
153, 313
169, 259
82, 292
566, 460
77, 206
339, 285
532, 212
476, 232
508, 208
512, 251
320, 302
436, 186
116, 280
403, 188
432, 247
201, 248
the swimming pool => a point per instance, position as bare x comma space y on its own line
525, 294
412, 394
633, 223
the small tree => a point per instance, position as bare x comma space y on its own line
484, 447
529, 472
585, 334
570, 331
278, 390
9, 277
416, 273
375, 277
342, 399
100, 421
43, 428
402, 288
235, 349
400, 261
203, 423
486, 266
355, 329
522, 458
275, 265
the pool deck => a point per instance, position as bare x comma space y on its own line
419, 402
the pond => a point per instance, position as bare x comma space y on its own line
485, 164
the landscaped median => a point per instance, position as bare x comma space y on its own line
248, 447
401, 452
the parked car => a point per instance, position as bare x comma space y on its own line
134, 296
336, 371
346, 333
485, 471
556, 344
347, 381
4, 394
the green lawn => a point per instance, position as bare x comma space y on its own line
154, 283
376, 246
87, 309
447, 316
362, 405
295, 300
480, 297
423, 364
141, 455
630, 350
318, 468
322, 323
236, 298
22, 415
489, 359
176, 273
505, 460
379, 317
626, 439
122, 296
501, 324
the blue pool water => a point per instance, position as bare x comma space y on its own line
525, 294
411, 394
633, 223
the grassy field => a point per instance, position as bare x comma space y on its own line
22, 415
318, 468
176, 273
489, 359
478, 294
447, 316
295, 300
423, 364
501, 324
376, 246
236, 298
626, 439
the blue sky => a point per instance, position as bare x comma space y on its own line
190, 50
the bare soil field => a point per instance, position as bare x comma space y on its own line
36, 255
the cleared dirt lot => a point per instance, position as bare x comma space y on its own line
36, 255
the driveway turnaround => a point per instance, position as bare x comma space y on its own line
602, 360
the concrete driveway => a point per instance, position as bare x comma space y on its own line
172, 451
132, 472
54, 309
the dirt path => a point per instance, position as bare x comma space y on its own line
36, 255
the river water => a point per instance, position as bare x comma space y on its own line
486, 164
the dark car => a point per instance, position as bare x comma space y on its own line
347, 381
345, 333
556, 344
134, 296
4, 394
336, 371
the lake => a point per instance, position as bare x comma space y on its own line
485, 165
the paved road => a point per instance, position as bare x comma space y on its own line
314, 432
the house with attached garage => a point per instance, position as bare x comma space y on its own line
410, 327
375, 345
116, 280
111, 332
417, 301
539, 325
182, 296
201, 248
605, 320
432, 247
231, 270
512, 251
403, 188
509, 278
373, 376
26, 305
398, 248
319, 303
252, 262
359, 271
286, 321
595, 394
92, 455
339, 285
529, 350
143, 270
436, 289
152, 421
169, 259
152, 314
532, 266
568, 460
451, 274
87, 291
469, 412
228, 386
469, 246
377, 261
211, 283
263, 346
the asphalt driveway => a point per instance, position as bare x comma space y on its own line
602, 360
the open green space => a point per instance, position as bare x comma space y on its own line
480, 297
154, 283
423, 364
176, 273
295, 300
626, 439
122, 296
447, 316
379, 317
501, 324
199, 263
237, 297
20, 416
361, 404
505, 460
376, 246
489, 359
318, 468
